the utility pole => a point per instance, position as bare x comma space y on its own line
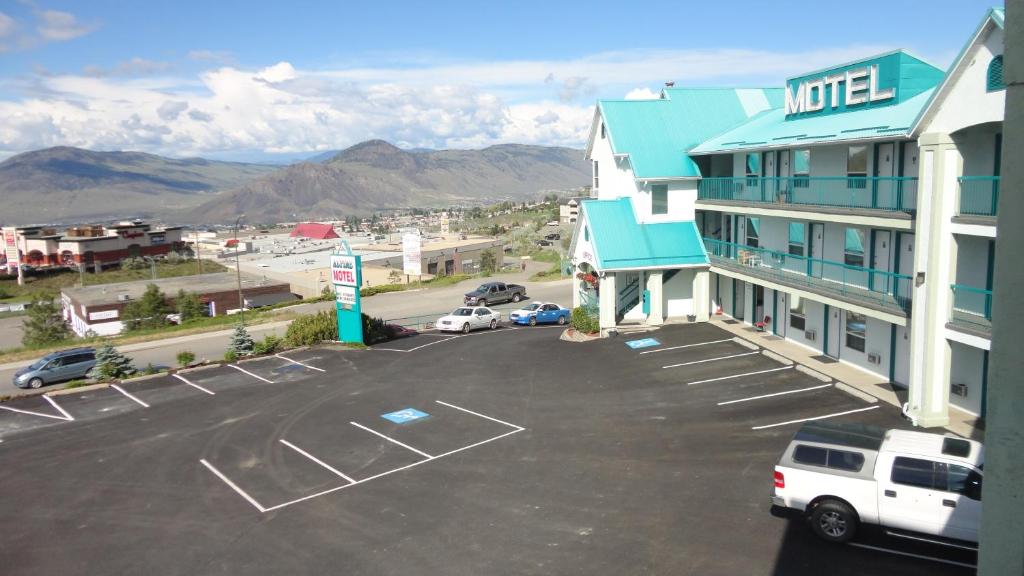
199, 258
238, 275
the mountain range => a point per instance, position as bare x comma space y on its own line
67, 185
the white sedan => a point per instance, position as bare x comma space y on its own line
468, 318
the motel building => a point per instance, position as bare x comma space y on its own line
852, 211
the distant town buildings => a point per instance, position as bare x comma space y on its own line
89, 246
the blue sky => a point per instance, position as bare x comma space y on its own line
254, 80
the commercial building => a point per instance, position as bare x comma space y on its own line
852, 211
98, 309
90, 246
569, 209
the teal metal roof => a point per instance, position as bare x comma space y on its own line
620, 242
656, 134
999, 15
772, 129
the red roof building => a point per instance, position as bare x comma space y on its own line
314, 231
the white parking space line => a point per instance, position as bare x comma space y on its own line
815, 418
479, 414
129, 396
919, 556
687, 346
256, 376
300, 363
392, 440
389, 472
738, 375
233, 486
67, 416
710, 360
192, 384
31, 413
317, 460
775, 394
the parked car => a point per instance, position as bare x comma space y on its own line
56, 367
494, 293
469, 318
399, 331
542, 243
911, 483
555, 236
540, 313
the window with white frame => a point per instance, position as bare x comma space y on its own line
797, 314
853, 249
856, 331
659, 199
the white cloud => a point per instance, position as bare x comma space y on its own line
57, 26
281, 108
134, 67
7, 25
218, 56
642, 94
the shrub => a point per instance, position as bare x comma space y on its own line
375, 331
585, 322
230, 356
111, 364
149, 369
190, 306
370, 291
271, 343
185, 357
241, 342
310, 329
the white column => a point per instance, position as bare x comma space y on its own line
702, 295
657, 296
928, 398
607, 302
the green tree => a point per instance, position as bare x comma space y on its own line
488, 261
44, 324
189, 306
241, 342
150, 311
111, 364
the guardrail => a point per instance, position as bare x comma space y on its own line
971, 306
891, 193
845, 280
979, 195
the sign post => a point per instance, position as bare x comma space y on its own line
347, 276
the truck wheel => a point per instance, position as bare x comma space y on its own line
834, 521
481, 302
561, 320
516, 297
465, 328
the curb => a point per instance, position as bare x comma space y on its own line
856, 393
145, 377
813, 373
745, 343
77, 390
778, 357
199, 368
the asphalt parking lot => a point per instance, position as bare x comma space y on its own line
500, 452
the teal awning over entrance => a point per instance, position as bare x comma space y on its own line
622, 243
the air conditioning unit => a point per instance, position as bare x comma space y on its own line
959, 390
811, 335
874, 357
123, 297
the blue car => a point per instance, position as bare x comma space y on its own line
541, 313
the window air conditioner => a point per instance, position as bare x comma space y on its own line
811, 335
874, 358
959, 390
123, 297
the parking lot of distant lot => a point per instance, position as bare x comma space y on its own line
499, 452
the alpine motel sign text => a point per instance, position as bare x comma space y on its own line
858, 86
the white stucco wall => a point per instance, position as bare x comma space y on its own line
615, 174
678, 294
971, 260
877, 340
967, 102
965, 367
682, 195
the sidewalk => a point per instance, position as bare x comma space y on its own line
960, 422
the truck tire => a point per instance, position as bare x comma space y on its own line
481, 302
516, 297
834, 521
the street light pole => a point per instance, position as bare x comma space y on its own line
238, 275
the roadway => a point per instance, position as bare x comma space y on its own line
212, 345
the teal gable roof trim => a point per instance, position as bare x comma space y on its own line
622, 243
656, 134
771, 129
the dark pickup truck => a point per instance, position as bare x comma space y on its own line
495, 293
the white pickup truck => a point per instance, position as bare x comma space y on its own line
914, 484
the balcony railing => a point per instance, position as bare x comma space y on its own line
979, 195
972, 307
854, 283
893, 194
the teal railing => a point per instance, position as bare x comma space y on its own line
971, 306
895, 194
979, 195
844, 280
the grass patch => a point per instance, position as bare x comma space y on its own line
58, 279
549, 275
436, 282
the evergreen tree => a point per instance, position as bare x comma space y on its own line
488, 261
150, 311
241, 342
44, 324
112, 364
190, 306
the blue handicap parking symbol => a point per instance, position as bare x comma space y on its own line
642, 343
405, 416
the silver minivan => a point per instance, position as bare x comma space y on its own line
56, 367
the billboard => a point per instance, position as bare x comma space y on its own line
411, 255
11, 248
343, 270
